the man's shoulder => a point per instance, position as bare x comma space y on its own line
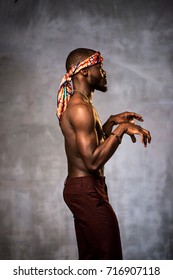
78, 113
79, 107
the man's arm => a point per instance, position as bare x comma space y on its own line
94, 154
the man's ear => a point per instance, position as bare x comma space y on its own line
84, 72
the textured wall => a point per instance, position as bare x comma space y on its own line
136, 39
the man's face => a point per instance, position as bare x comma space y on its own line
98, 77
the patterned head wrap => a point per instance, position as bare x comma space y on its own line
65, 89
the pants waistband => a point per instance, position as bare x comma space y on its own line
83, 179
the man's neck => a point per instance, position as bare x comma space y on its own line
88, 96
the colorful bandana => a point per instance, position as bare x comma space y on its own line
65, 90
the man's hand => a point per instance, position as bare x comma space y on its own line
132, 129
126, 117
127, 124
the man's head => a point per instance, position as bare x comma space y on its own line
95, 74
84, 66
77, 56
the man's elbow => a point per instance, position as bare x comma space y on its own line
93, 167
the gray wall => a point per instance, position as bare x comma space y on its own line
136, 39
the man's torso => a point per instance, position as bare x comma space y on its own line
76, 165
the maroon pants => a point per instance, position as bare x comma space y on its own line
96, 225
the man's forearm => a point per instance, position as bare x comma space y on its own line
104, 151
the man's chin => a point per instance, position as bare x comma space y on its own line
103, 89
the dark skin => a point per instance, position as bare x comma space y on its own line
88, 144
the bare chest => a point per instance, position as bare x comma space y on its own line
98, 126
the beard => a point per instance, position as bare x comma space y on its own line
99, 83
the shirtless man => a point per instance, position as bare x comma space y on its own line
89, 145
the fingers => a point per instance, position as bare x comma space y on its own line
132, 121
138, 117
145, 136
132, 115
143, 133
144, 140
133, 138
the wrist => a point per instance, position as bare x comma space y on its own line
124, 127
118, 138
120, 130
112, 120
